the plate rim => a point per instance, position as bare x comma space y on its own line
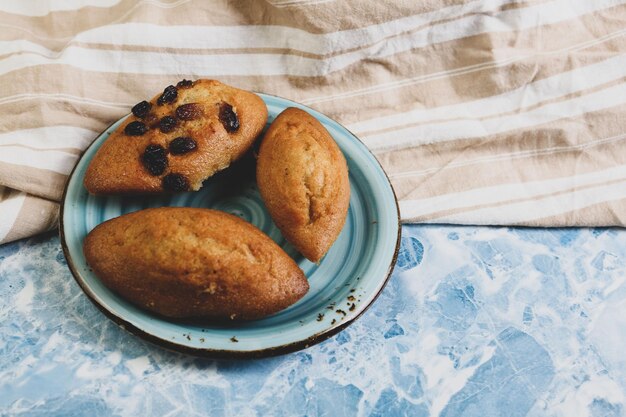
223, 353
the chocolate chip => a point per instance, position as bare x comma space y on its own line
175, 182
135, 128
182, 145
167, 124
154, 159
184, 84
189, 111
169, 95
141, 109
228, 118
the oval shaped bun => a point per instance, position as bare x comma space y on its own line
303, 179
189, 262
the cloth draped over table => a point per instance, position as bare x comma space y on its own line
493, 112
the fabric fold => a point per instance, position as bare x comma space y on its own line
24, 215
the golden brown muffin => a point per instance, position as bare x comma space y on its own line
303, 179
178, 139
188, 262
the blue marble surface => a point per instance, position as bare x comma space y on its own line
474, 322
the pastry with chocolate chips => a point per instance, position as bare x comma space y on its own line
179, 138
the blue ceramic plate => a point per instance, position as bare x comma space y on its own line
343, 285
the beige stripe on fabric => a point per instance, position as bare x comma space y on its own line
54, 111
521, 4
609, 213
37, 215
11, 202
38, 182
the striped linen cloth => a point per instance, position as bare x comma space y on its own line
482, 112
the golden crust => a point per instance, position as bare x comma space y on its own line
303, 179
117, 166
190, 262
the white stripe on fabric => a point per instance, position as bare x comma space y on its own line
10, 209
507, 192
52, 160
464, 129
48, 138
556, 86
